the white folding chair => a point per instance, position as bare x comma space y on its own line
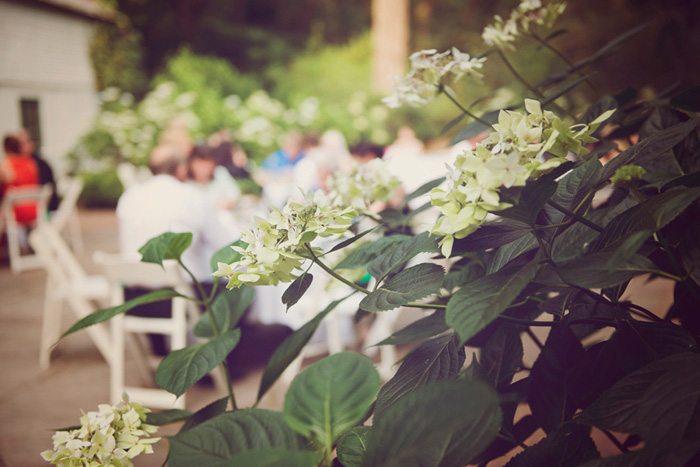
14, 196
68, 283
127, 273
66, 216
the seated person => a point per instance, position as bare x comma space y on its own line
19, 170
211, 180
46, 176
276, 173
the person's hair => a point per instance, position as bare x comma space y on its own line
166, 159
203, 152
11, 145
222, 152
365, 147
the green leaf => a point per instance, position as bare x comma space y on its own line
423, 189
507, 253
290, 348
410, 284
226, 255
275, 457
392, 260
573, 188
490, 235
437, 359
215, 441
351, 240
477, 304
106, 314
649, 148
628, 249
532, 199
688, 99
169, 245
182, 368
205, 413
228, 307
443, 423
570, 445
364, 255
593, 271
165, 417
297, 289
331, 396
430, 326
461, 272
502, 356
477, 127
352, 446
657, 401
678, 453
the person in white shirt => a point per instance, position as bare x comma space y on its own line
164, 203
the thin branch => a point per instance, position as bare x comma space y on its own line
323, 266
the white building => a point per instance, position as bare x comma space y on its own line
46, 79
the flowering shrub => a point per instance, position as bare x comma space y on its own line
522, 245
112, 436
363, 186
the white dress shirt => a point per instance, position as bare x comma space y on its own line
164, 204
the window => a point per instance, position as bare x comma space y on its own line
29, 111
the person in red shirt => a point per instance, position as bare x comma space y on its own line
19, 170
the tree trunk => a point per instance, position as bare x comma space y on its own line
390, 39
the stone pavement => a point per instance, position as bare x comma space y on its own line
32, 401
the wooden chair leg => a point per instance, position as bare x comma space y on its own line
51, 324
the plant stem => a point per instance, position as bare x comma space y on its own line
463, 109
426, 305
615, 441
217, 331
530, 87
563, 57
335, 275
534, 338
576, 216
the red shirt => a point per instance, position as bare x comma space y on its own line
26, 174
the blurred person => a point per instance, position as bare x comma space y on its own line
406, 144
213, 181
229, 154
46, 176
275, 175
177, 134
364, 152
19, 170
328, 154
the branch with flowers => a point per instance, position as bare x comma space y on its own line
530, 230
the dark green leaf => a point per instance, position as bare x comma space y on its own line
275, 457
290, 348
206, 413
226, 255
573, 188
352, 446
215, 441
507, 253
423, 189
351, 240
656, 401
628, 249
667, 454
331, 396
365, 254
532, 199
297, 289
604, 104
437, 359
592, 271
477, 304
182, 368
450, 423
649, 148
392, 260
451, 124
476, 128
108, 313
502, 356
548, 394
461, 272
165, 417
688, 99
169, 245
570, 445
410, 284
490, 235
228, 308
430, 326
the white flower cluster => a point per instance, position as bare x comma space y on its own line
510, 156
112, 436
429, 70
277, 245
503, 33
364, 185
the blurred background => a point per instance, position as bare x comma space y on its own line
96, 82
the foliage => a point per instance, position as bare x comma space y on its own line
101, 189
551, 258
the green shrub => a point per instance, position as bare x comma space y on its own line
101, 189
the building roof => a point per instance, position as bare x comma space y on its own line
87, 8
